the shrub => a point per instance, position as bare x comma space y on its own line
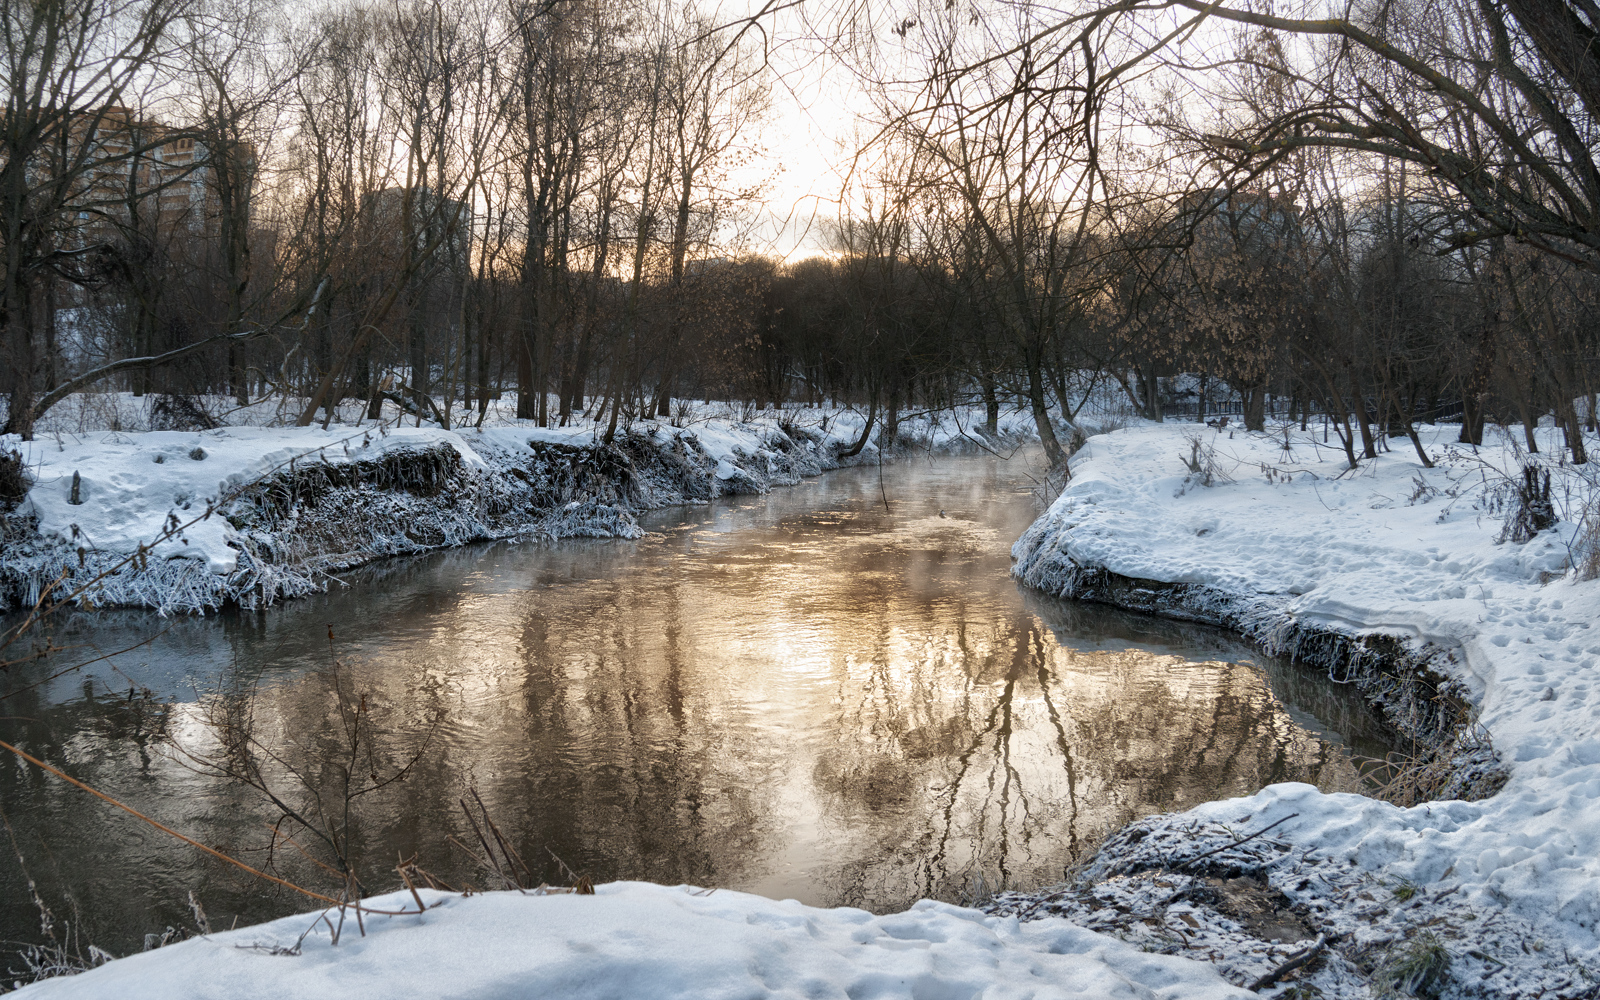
177, 412
1586, 547
15, 482
1532, 511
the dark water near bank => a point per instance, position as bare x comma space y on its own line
797, 695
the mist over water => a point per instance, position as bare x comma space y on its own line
802, 695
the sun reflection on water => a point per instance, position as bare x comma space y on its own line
800, 695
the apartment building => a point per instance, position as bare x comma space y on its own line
147, 174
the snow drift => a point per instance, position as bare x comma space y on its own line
1389, 566
636, 939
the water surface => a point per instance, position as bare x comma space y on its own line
833, 693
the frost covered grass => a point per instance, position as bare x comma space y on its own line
249, 513
1464, 767
1450, 594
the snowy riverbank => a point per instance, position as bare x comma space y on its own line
636, 939
252, 514
1361, 571
1389, 563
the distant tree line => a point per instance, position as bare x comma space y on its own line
1381, 217
1375, 222
428, 202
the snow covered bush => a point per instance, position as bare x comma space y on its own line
1531, 510
1586, 547
1583, 510
1202, 461
181, 412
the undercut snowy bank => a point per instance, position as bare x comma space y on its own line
250, 515
1399, 578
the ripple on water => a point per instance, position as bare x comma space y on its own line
801, 695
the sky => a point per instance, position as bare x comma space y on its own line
821, 112
817, 111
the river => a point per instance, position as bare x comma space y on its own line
833, 693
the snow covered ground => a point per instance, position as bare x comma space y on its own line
639, 940
1273, 536
1287, 542
251, 513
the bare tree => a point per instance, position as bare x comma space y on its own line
1009, 124
715, 92
70, 66
1498, 101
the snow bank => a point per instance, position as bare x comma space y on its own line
634, 939
129, 485
252, 514
1286, 544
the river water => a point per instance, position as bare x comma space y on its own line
833, 693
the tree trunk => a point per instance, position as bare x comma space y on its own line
1475, 393
1403, 416
19, 418
891, 421
50, 347
991, 405
1572, 428
1530, 421
526, 410
1369, 446
1255, 407
1041, 413
866, 429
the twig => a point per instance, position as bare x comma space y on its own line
412, 868
564, 867
513, 859
963, 431
1236, 843
507, 879
85, 663
288, 838
187, 840
401, 868
1295, 961
469, 852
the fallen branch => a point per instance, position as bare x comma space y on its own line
190, 840
411, 407
1294, 962
1236, 843
105, 371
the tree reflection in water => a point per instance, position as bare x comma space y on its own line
800, 695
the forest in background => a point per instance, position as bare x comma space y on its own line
1379, 220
